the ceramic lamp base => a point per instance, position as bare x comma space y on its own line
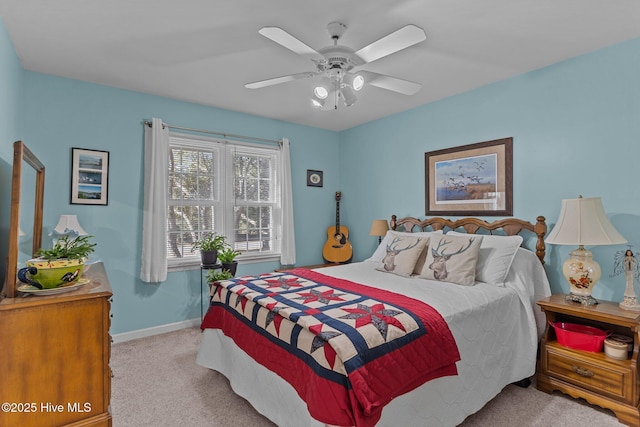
586, 300
582, 273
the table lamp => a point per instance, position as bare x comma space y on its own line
379, 228
582, 222
68, 225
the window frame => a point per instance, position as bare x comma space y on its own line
227, 149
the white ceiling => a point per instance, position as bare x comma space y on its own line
204, 51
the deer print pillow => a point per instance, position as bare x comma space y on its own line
381, 251
452, 259
402, 253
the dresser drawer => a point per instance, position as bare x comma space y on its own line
590, 371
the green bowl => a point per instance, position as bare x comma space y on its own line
45, 274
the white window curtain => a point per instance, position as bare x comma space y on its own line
154, 222
288, 254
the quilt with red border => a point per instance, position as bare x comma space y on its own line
347, 349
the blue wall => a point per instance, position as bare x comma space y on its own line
64, 113
11, 75
59, 113
575, 128
67, 113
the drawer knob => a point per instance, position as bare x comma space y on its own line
582, 371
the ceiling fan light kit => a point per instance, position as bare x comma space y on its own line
321, 91
356, 81
342, 85
348, 95
334, 64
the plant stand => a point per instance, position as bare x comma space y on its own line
203, 268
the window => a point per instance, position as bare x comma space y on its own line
227, 187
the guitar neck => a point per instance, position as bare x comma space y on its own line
337, 217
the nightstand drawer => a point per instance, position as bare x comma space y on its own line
611, 379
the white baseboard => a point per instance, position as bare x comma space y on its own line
156, 330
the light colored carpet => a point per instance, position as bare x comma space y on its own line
158, 383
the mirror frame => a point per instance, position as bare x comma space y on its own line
22, 154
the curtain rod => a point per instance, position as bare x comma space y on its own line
210, 132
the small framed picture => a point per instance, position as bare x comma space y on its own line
89, 177
314, 178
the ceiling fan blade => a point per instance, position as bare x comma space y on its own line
285, 39
394, 42
278, 80
391, 83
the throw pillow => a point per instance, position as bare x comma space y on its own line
495, 258
452, 259
402, 253
381, 251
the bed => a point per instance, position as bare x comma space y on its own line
492, 320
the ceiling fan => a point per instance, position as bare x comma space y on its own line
336, 65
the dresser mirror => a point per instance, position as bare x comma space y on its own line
25, 224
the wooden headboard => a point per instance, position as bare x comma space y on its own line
510, 227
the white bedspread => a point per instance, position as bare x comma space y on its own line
496, 329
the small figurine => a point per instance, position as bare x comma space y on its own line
625, 261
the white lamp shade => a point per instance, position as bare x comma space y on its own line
348, 95
583, 222
68, 224
356, 81
322, 89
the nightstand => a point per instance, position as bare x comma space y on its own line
597, 378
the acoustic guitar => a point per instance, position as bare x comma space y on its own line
337, 247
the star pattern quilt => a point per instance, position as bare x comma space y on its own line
346, 348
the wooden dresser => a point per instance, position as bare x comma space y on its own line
595, 377
58, 346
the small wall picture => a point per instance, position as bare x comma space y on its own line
89, 177
314, 178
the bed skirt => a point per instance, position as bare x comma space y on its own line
448, 399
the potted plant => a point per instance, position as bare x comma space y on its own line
77, 248
216, 275
62, 264
227, 258
209, 245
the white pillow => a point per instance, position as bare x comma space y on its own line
495, 258
381, 251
